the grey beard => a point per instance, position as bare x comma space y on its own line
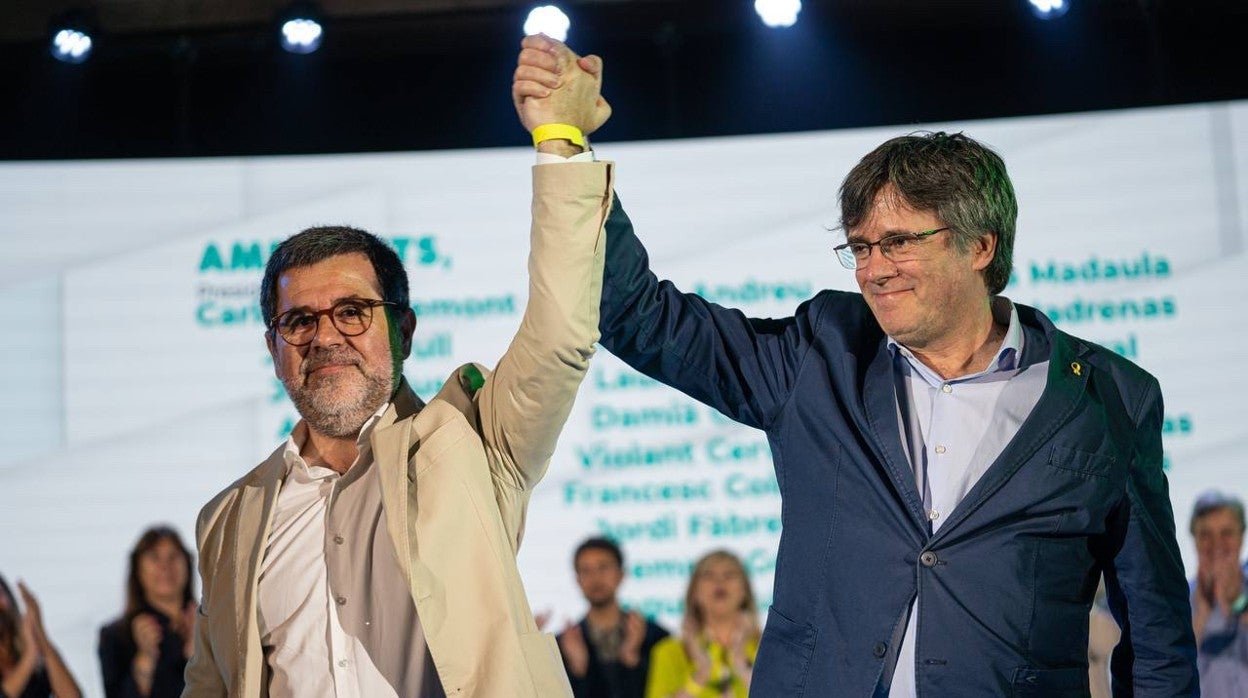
341, 419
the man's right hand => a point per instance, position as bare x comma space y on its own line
145, 630
552, 85
575, 651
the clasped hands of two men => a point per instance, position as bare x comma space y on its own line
552, 85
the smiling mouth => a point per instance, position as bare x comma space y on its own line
329, 368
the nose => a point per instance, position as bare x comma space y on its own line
875, 267
327, 333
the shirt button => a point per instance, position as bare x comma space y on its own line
946, 388
341, 600
880, 649
933, 515
940, 449
338, 540
928, 559
342, 663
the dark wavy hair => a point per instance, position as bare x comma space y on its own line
963, 181
135, 598
319, 244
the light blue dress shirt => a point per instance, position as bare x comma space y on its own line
953, 430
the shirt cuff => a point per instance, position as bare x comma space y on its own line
552, 159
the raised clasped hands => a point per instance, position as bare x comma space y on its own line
552, 85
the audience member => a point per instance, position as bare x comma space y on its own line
1219, 597
1103, 636
144, 652
607, 654
714, 655
30, 666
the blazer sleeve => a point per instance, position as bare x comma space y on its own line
743, 367
1145, 582
527, 399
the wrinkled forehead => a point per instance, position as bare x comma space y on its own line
327, 281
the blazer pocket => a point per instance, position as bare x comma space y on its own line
1081, 462
1070, 682
541, 654
785, 653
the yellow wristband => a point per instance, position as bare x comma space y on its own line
548, 132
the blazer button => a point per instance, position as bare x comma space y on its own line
880, 649
928, 559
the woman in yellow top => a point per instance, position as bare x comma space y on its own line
714, 655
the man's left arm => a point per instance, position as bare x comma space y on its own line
525, 403
1145, 581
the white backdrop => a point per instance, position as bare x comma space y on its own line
136, 383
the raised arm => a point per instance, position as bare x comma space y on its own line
743, 367
525, 403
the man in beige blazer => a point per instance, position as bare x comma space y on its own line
373, 553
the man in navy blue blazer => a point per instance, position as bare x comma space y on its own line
956, 473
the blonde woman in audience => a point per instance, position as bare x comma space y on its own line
714, 655
30, 666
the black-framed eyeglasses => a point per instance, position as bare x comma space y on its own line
902, 247
350, 316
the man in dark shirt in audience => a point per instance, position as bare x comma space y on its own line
607, 654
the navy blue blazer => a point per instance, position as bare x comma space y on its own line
1007, 582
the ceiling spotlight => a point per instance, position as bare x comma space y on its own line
1049, 9
548, 20
778, 13
70, 38
301, 30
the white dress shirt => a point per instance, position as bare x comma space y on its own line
335, 615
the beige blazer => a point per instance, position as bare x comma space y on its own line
456, 475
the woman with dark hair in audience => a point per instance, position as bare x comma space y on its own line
30, 667
143, 653
714, 655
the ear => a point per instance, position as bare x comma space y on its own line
270, 341
407, 327
983, 250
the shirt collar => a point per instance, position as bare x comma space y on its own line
291, 452
1008, 355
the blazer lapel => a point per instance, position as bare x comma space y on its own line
882, 429
1066, 384
255, 508
391, 441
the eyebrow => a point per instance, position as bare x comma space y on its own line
852, 238
336, 301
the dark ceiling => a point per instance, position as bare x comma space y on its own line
185, 77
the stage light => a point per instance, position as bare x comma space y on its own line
301, 30
1049, 9
778, 13
548, 20
70, 38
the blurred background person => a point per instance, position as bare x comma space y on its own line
1103, 636
1218, 596
606, 654
714, 655
30, 667
144, 652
